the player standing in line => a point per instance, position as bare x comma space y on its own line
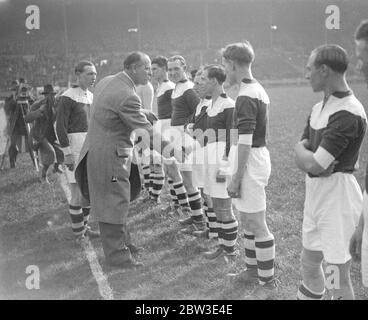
72, 116
328, 153
184, 101
164, 110
219, 122
196, 128
251, 167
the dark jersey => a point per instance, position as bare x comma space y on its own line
199, 120
163, 94
338, 126
220, 120
72, 113
184, 101
251, 112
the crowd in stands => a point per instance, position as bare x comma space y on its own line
48, 56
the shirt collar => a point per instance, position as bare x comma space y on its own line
342, 94
247, 80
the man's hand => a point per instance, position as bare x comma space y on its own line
329, 170
234, 187
189, 129
355, 246
69, 161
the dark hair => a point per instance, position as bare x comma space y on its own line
241, 53
180, 58
132, 59
361, 32
79, 68
161, 61
333, 56
217, 72
193, 73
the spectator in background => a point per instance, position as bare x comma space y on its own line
43, 113
16, 106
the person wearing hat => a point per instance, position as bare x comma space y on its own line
43, 136
16, 125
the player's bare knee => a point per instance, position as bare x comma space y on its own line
311, 263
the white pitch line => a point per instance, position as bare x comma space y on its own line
102, 283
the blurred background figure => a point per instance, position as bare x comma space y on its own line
43, 114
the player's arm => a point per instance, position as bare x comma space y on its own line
246, 111
342, 127
191, 100
309, 162
228, 117
62, 121
133, 116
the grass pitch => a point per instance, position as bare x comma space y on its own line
35, 230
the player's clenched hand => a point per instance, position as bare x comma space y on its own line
233, 188
329, 170
69, 161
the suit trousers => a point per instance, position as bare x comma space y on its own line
115, 238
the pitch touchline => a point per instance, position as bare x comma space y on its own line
102, 283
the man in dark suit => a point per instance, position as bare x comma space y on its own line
43, 114
116, 113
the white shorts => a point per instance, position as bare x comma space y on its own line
365, 241
198, 167
163, 126
331, 213
76, 141
255, 179
214, 153
179, 138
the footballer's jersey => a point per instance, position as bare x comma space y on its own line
163, 94
184, 101
338, 125
72, 114
220, 120
200, 116
199, 120
251, 112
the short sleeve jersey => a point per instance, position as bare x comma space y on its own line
184, 101
338, 126
251, 111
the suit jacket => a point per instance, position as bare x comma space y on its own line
115, 113
43, 121
14, 114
